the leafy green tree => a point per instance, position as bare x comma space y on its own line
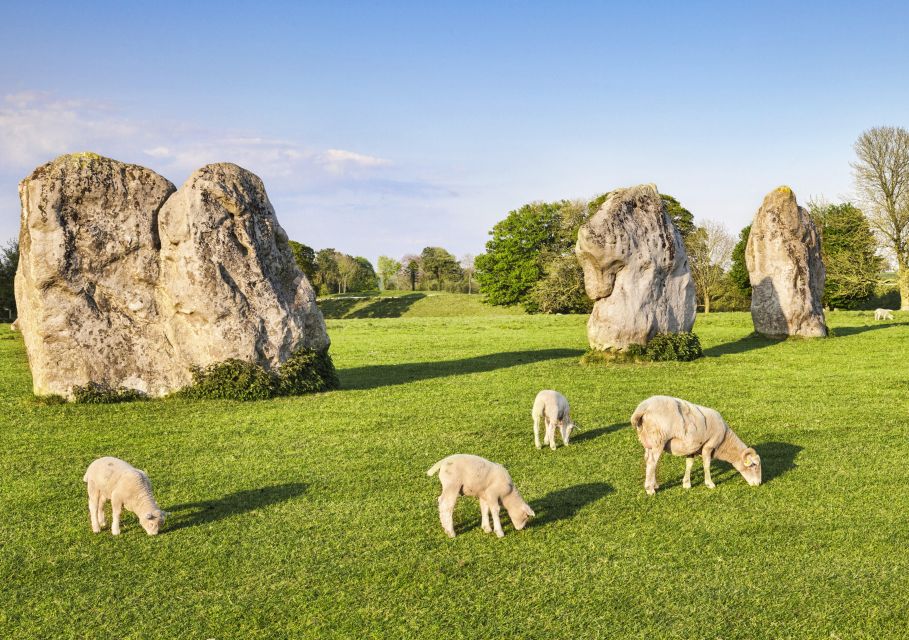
327, 276
9, 262
738, 272
387, 268
305, 258
849, 251
440, 264
411, 270
365, 278
562, 288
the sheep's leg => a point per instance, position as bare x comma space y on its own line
686, 481
116, 507
536, 431
446, 510
707, 453
93, 508
102, 501
550, 434
484, 516
494, 512
651, 457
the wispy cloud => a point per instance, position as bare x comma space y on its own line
339, 161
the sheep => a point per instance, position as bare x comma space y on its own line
686, 429
883, 314
464, 474
125, 486
553, 408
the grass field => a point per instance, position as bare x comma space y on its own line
409, 304
312, 517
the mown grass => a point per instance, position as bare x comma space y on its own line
313, 517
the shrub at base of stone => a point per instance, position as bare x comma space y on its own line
663, 347
306, 371
96, 393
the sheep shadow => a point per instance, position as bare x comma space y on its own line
582, 436
777, 458
208, 511
384, 375
565, 503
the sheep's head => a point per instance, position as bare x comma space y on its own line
152, 521
749, 465
518, 510
570, 428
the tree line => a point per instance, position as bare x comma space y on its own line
331, 271
530, 260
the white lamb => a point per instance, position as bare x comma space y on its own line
883, 314
552, 407
125, 486
464, 474
686, 429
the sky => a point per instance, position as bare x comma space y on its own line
382, 128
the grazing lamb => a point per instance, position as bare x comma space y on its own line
553, 408
686, 429
475, 476
883, 314
125, 486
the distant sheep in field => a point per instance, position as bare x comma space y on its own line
883, 314
464, 474
686, 429
125, 486
553, 408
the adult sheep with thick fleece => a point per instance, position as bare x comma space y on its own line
464, 474
125, 486
686, 429
883, 314
552, 407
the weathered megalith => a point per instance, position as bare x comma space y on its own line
783, 257
125, 282
636, 271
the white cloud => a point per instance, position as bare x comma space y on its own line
338, 160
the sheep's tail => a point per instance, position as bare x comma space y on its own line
637, 418
434, 469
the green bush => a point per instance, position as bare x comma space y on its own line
306, 371
98, 393
663, 347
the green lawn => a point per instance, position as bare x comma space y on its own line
313, 516
409, 304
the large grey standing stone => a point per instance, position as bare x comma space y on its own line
636, 271
88, 269
231, 286
783, 256
125, 282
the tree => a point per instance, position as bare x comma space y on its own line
347, 270
305, 258
709, 248
562, 288
365, 278
849, 251
439, 264
327, 276
513, 262
468, 269
9, 262
738, 272
387, 268
881, 173
410, 270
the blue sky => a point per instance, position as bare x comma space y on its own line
381, 128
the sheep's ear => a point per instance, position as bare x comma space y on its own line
529, 511
750, 457
149, 516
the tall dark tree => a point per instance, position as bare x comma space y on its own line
9, 262
440, 265
738, 272
849, 251
365, 279
305, 258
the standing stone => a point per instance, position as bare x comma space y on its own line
783, 257
231, 288
636, 271
88, 269
125, 282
